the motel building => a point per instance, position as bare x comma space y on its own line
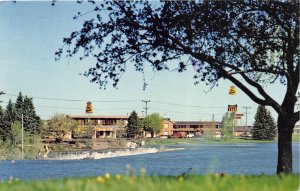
101, 126
196, 128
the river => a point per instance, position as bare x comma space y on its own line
247, 158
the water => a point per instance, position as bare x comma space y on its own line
201, 158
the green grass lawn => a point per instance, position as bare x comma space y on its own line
160, 183
159, 141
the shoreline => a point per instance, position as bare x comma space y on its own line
92, 154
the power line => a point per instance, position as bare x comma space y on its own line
120, 101
185, 112
175, 104
75, 100
76, 108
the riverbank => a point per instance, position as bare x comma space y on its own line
101, 154
206, 140
132, 182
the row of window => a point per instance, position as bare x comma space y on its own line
195, 126
100, 122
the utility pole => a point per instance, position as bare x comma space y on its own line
146, 108
245, 107
22, 138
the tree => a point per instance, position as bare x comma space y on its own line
264, 127
9, 118
2, 124
249, 43
59, 125
19, 105
16, 133
24, 106
228, 123
32, 122
153, 123
133, 125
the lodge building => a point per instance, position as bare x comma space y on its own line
110, 126
103, 126
197, 127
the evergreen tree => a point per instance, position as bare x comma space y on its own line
32, 123
19, 105
133, 125
8, 118
264, 127
2, 124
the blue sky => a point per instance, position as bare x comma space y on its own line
31, 32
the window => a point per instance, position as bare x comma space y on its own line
109, 122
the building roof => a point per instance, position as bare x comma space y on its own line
196, 122
97, 117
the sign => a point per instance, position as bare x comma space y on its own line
232, 90
232, 108
238, 115
89, 107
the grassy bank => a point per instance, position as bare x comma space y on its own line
145, 183
158, 141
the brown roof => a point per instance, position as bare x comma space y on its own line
196, 122
97, 117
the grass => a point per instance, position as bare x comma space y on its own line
158, 141
144, 183
296, 138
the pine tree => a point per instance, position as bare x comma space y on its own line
2, 124
32, 123
19, 105
133, 125
264, 127
8, 118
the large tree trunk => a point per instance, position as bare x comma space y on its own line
285, 157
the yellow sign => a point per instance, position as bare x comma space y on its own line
232, 108
89, 107
232, 90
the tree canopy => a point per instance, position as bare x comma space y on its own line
59, 125
153, 123
13, 115
228, 123
250, 43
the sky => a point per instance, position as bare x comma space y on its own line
31, 32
